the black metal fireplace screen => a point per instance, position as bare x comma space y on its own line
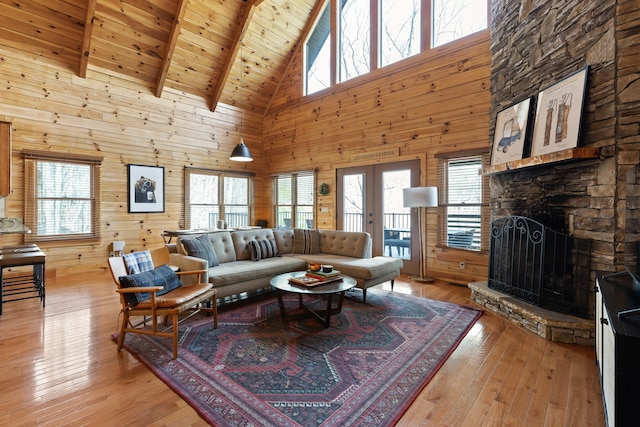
540, 266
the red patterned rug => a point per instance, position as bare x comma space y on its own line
256, 370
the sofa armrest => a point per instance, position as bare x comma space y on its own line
190, 263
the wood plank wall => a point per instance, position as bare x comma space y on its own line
51, 108
437, 102
433, 103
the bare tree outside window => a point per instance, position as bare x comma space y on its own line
400, 30
355, 35
399, 34
318, 54
454, 19
353, 199
64, 198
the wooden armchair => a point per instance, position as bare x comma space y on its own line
150, 301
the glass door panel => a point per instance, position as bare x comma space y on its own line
353, 202
369, 198
397, 218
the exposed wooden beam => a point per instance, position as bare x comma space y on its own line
86, 38
249, 8
171, 45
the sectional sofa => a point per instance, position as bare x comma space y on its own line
245, 260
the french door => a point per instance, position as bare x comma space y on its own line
369, 198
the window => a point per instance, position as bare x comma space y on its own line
62, 196
464, 199
376, 33
355, 36
400, 30
454, 19
213, 195
318, 54
294, 199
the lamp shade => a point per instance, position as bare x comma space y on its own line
241, 153
420, 197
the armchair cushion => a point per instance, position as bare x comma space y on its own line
137, 262
161, 276
306, 241
201, 247
264, 248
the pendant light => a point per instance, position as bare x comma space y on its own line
241, 152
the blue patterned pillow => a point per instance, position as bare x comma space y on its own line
137, 262
162, 276
260, 249
201, 247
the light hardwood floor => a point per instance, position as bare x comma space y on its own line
59, 366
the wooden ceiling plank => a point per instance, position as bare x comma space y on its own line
142, 24
317, 9
171, 46
86, 38
248, 11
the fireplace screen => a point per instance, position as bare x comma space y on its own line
540, 266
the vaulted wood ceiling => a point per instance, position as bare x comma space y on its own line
195, 46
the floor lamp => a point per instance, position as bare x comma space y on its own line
420, 197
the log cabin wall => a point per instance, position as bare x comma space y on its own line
53, 109
434, 103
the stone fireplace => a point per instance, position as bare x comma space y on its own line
534, 44
539, 265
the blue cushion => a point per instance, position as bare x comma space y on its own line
201, 247
161, 276
260, 249
137, 262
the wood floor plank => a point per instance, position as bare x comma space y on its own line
60, 367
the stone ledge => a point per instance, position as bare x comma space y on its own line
547, 324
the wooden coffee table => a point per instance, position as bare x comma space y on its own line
282, 285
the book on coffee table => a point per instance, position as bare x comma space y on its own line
309, 282
322, 275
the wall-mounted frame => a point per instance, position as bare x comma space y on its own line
559, 114
146, 188
510, 133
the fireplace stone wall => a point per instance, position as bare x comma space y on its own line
535, 43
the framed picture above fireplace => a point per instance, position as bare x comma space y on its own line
510, 133
559, 114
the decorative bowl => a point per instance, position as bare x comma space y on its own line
314, 267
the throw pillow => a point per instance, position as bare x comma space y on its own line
137, 262
260, 249
201, 247
306, 241
161, 276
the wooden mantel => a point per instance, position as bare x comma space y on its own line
580, 153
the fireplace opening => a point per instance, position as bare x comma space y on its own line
543, 267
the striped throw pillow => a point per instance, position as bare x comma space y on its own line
306, 241
261, 249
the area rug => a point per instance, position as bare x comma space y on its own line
258, 370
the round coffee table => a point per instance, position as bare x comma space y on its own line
282, 285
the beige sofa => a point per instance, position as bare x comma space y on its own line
236, 272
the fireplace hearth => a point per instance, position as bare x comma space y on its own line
540, 266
